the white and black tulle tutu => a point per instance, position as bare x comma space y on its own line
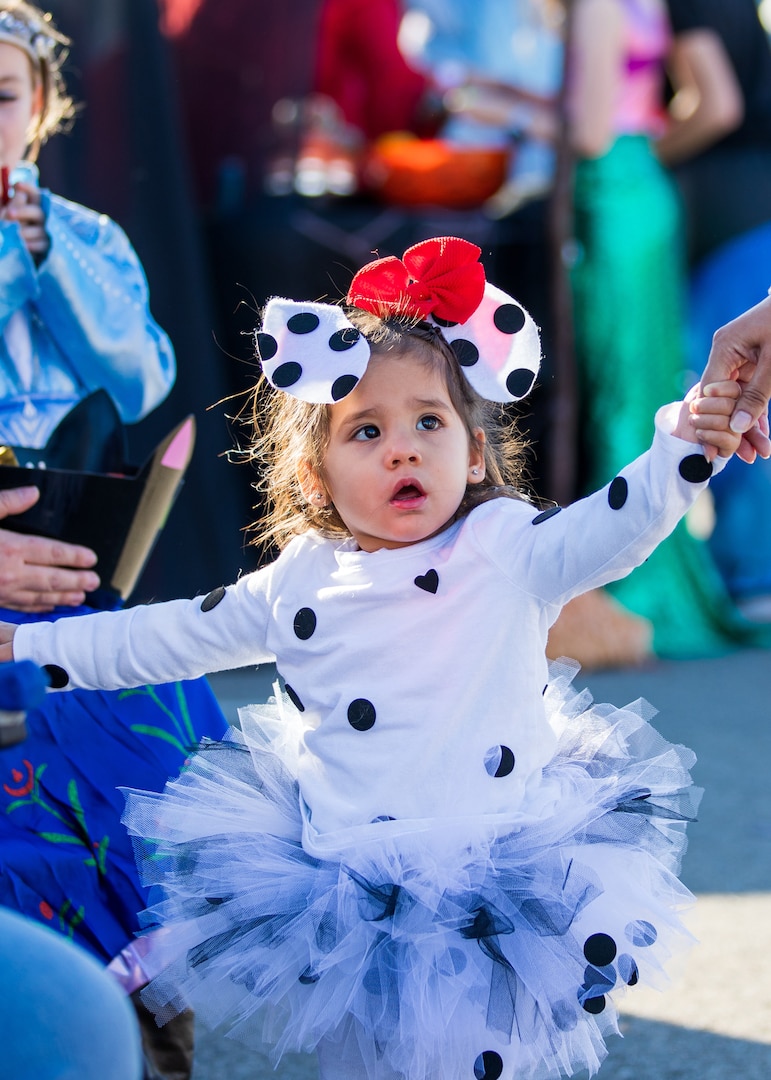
452, 950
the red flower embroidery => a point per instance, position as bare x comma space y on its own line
17, 775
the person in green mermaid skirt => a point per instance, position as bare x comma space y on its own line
628, 295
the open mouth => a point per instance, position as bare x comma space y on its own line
408, 492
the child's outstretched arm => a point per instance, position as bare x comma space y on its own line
705, 416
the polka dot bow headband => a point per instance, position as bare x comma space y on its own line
313, 352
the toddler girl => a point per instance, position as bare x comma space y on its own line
431, 859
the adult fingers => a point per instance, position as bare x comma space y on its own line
17, 500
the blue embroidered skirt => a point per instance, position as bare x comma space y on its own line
66, 858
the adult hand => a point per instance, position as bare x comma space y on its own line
742, 350
37, 574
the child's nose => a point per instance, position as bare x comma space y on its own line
403, 448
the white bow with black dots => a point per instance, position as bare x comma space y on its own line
313, 352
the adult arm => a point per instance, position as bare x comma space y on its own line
596, 68
708, 103
37, 574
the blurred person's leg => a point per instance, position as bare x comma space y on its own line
64, 1017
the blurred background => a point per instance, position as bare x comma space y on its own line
252, 149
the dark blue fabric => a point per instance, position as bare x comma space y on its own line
66, 859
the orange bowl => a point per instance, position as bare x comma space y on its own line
408, 171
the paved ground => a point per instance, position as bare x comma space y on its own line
714, 1022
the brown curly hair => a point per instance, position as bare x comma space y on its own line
290, 436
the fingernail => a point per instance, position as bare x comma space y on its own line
741, 422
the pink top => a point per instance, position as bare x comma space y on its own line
647, 40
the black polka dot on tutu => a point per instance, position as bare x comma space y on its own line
545, 515
287, 374
618, 493
499, 761
57, 676
267, 346
291, 694
600, 950
361, 714
509, 318
345, 339
520, 382
428, 582
641, 933
304, 623
564, 1015
342, 386
627, 969
465, 351
488, 1066
594, 1005
695, 469
599, 979
305, 322
308, 977
213, 598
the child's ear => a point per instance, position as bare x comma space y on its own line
476, 457
311, 485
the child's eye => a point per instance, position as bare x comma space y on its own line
429, 423
369, 431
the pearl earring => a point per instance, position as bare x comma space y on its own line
475, 472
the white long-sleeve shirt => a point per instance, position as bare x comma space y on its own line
419, 671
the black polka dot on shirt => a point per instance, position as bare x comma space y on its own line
305, 322
304, 623
509, 318
695, 469
545, 515
488, 1066
466, 352
618, 492
57, 676
293, 697
213, 598
361, 714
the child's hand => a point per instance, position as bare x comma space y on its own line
25, 208
705, 415
7, 632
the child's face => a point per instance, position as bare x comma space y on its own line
19, 103
399, 455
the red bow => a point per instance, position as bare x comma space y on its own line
441, 277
